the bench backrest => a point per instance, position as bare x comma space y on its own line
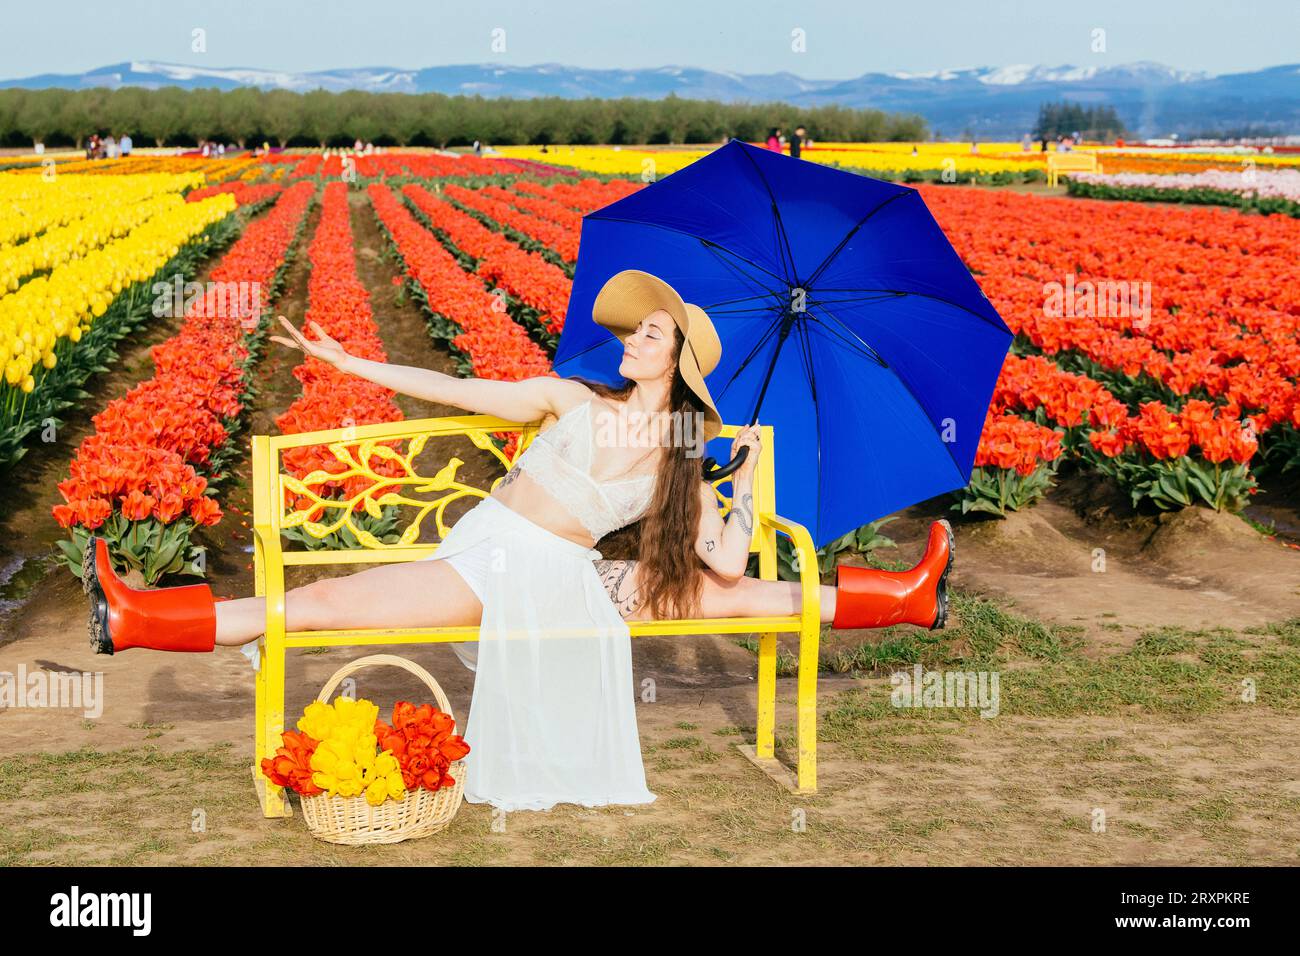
1078, 162
371, 468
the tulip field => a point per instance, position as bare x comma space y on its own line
1180, 401
1145, 424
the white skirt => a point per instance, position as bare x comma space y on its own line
553, 716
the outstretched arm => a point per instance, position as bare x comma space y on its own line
724, 545
527, 400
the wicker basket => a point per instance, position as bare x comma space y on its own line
352, 820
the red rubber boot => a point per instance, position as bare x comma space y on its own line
164, 619
870, 597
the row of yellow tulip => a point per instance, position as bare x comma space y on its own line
34, 206
65, 302
650, 162
655, 162
611, 160
79, 238
216, 169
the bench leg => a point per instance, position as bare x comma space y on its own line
269, 724
809, 640
765, 724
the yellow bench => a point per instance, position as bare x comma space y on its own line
361, 449
1070, 162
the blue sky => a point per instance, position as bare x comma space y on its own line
844, 38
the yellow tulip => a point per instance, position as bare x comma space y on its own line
396, 786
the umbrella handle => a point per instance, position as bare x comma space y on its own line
713, 473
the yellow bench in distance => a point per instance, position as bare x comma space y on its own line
360, 449
1070, 162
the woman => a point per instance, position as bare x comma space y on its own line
774, 139
552, 717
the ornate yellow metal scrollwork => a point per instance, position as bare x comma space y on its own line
356, 457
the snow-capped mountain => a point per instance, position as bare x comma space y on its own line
985, 101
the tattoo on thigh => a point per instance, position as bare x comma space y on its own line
617, 576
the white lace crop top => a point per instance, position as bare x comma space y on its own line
560, 459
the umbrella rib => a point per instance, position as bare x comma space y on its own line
925, 295
787, 255
871, 353
584, 351
907, 387
715, 249
865, 298
707, 242
806, 351
849, 235
748, 358
817, 415
773, 294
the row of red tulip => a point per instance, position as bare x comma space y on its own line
525, 276
245, 194
1218, 309
339, 304
496, 346
541, 207
561, 237
143, 476
586, 195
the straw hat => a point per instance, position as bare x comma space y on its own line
629, 296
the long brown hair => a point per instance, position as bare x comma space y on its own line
667, 565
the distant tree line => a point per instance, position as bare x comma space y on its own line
1065, 119
246, 116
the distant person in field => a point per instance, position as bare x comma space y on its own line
110, 147
774, 140
1026, 144
124, 145
478, 148
796, 144
1044, 144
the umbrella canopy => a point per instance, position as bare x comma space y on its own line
848, 323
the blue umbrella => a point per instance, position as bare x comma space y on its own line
848, 323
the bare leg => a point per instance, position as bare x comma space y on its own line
405, 594
748, 597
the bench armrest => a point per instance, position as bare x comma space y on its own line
809, 575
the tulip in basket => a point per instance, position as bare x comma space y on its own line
362, 780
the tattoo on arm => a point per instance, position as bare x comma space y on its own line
511, 475
744, 512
